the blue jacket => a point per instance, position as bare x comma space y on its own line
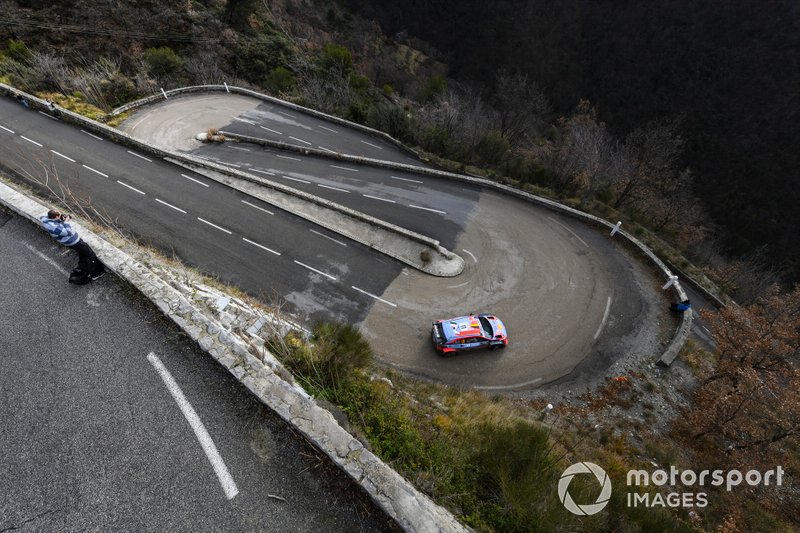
60, 230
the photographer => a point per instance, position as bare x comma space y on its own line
58, 226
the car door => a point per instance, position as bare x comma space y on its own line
474, 343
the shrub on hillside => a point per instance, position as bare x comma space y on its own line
162, 61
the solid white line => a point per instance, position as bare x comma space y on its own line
405, 179
373, 145
263, 172
605, 317
170, 205
569, 230
50, 261
237, 148
315, 270
8, 130
295, 179
457, 286
260, 246
194, 180
300, 140
92, 135
62, 155
48, 116
373, 296
245, 121
140, 156
330, 130
257, 207
428, 209
224, 477
131, 188
329, 238
333, 188
273, 131
214, 225
228, 164
321, 147
381, 199
470, 254
514, 386
287, 114
287, 157
345, 168
30, 140
96, 171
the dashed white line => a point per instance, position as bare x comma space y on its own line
287, 157
332, 188
194, 180
263, 172
223, 475
214, 225
327, 149
273, 131
295, 179
345, 168
140, 156
237, 148
62, 155
261, 246
373, 296
381, 199
258, 207
170, 205
470, 254
286, 114
314, 270
51, 117
300, 140
229, 164
131, 188
237, 119
30, 140
405, 179
95, 171
8, 130
428, 209
373, 145
329, 238
47, 259
569, 230
605, 317
329, 129
92, 135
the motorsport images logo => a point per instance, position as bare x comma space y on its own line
584, 468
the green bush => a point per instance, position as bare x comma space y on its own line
336, 57
162, 61
392, 119
17, 51
281, 80
433, 90
258, 58
492, 148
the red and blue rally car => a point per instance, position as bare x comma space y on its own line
469, 332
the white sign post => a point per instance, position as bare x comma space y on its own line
616, 228
671, 282
165, 94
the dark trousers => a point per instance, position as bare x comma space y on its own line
87, 259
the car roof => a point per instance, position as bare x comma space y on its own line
461, 327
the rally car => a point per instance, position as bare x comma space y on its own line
471, 332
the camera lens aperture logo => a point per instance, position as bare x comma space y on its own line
584, 468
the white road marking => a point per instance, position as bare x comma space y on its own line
605, 317
92, 135
286, 114
237, 148
300, 140
257, 207
214, 225
62, 155
381, 199
47, 259
428, 209
224, 477
30, 140
140, 156
314, 270
470, 254
263, 172
330, 130
321, 147
229, 164
373, 296
332, 188
373, 145
345, 168
8, 130
457, 286
51, 117
329, 238
405, 179
569, 230
131, 188
287, 157
237, 119
94, 170
261, 246
295, 179
170, 205
514, 386
194, 180
273, 131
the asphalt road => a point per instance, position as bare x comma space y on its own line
93, 439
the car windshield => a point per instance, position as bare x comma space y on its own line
487, 327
